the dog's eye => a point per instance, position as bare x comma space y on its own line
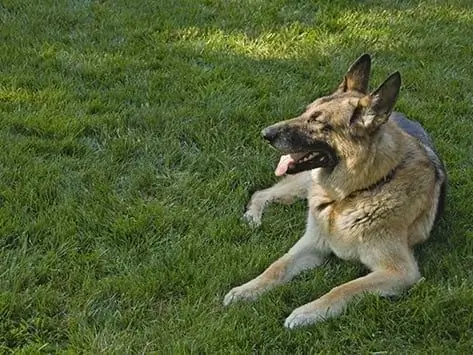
327, 128
314, 116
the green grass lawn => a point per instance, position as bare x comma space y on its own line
130, 144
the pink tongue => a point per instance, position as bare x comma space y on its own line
283, 164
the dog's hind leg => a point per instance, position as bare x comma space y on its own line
286, 191
310, 251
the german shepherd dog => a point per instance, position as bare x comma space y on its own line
374, 185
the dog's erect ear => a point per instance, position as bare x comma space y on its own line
358, 76
385, 96
377, 106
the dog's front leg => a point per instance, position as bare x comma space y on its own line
386, 280
308, 252
290, 188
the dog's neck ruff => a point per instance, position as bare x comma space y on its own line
384, 180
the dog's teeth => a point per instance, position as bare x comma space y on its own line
306, 158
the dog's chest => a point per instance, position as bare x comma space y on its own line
342, 225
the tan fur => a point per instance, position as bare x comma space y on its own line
349, 214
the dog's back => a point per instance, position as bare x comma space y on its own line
414, 129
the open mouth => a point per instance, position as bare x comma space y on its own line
296, 162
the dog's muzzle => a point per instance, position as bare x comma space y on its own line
291, 140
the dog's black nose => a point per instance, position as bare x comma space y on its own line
269, 133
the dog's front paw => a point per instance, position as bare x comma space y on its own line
240, 293
253, 219
305, 315
254, 209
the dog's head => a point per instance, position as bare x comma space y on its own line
330, 127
